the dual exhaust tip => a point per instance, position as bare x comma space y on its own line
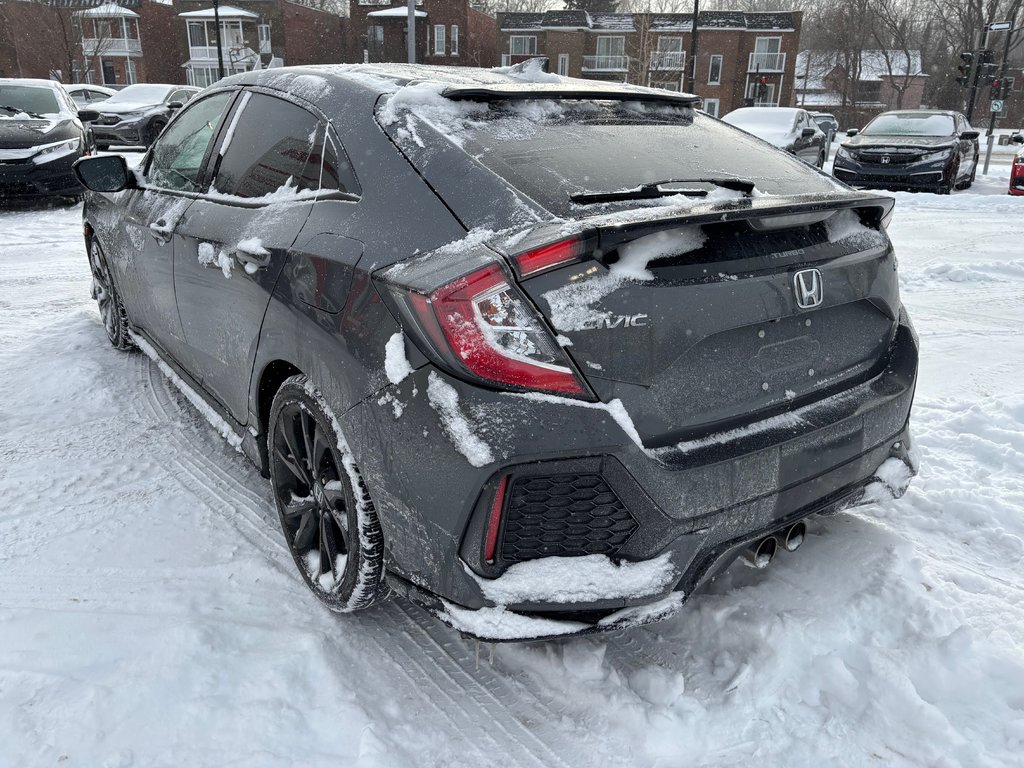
762, 552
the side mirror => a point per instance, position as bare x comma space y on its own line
175, 105
806, 133
88, 115
104, 174
853, 132
969, 135
1017, 138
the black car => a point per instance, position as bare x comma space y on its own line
41, 137
828, 124
136, 115
914, 149
503, 347
787, 128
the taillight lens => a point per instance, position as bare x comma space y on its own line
547, 257
482, 324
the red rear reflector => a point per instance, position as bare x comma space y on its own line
549, 256
494, 520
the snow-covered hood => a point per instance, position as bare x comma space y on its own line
120, 108
880, 143
22, 133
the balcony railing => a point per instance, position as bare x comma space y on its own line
766, 62
113, 46
606, 63
670, 60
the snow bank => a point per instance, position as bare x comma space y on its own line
445, 400
578, 579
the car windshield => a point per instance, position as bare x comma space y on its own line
35, 99
555, 150
142, 94
767, 118
910, 125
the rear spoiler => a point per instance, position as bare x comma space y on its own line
570, 91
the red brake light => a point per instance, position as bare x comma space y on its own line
483, 324
549, 256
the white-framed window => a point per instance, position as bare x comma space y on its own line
715, 70
668, 85
375, 34
439, 39
563, 64
522, 45
611, 46
768, 45
711, 107
455, 39
263, 32
763, 96
129, 72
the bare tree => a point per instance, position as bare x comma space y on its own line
494, 7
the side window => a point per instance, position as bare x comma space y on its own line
179, 95
337, 173
275, 145
177, 158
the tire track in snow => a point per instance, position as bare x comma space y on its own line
415, 640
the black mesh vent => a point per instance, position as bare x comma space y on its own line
564, 516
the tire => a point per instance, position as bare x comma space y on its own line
153, 131
112, 313
950, 184
326, 513
821, 158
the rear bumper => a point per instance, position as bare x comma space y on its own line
1017, 180
674, 517
28, 180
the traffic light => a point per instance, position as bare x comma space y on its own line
986, 56
762, 87
1005, 87
996, 88
988, 73
964, 68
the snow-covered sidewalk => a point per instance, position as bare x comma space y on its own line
151, 616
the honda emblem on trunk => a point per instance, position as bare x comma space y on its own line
808, 288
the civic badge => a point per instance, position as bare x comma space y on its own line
807, 285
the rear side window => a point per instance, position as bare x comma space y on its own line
276, 146
177, 158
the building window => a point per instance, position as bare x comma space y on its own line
455, 39
711, 107
196, 33
263, 31
563, 64
129, 72
375, 35
715, 71
439, 39
522, 45
767, 55
762, 94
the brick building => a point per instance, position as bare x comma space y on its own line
255, 34
741, 57
448, 32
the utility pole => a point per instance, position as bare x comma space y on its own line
1002, 76
410, 35
220, 51
693, 44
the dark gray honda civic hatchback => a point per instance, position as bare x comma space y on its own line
542, 355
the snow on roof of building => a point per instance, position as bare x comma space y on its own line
663, 22
108, 11
396, 13
226, 12
812, 67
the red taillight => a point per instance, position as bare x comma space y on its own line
549, 256
489, 328
494, 520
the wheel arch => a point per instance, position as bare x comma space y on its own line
269, 381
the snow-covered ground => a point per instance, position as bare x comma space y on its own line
151, 616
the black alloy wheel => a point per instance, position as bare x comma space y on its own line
950, 183
154, 129
339, 555
112, 313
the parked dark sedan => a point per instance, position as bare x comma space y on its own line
503, 347
136, 115
788, 128
935, 151
41, 137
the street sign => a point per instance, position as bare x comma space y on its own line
997, 106
999, 26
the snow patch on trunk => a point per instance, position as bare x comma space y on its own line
578, 579
445, 400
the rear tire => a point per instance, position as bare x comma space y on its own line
112, 313
153, 132
821, 158
327, 516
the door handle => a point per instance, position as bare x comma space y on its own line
252, 258
160, 231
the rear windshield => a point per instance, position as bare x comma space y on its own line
910, 125
34, 99
552, 150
